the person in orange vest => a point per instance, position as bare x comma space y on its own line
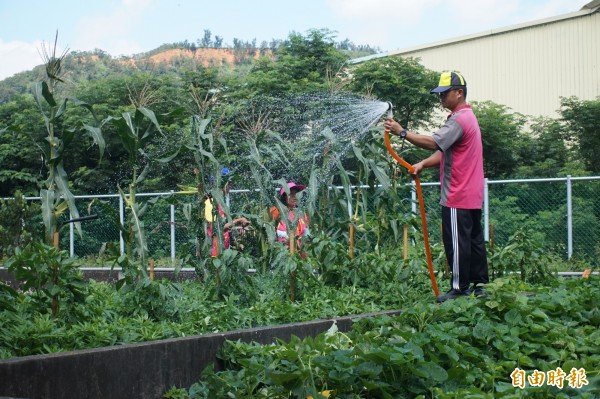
240, 222
291, 202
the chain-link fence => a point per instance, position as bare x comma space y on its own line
563, 214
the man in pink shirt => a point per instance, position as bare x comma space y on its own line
458, 151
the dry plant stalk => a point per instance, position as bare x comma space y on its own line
255, 123
53, 63
335, 81
203, 104
145, 97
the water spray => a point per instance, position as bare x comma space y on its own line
411, 170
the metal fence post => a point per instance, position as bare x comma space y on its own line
172, 230
121, 219
486, 211
569, 218
71, 238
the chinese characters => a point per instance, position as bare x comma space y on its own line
575, 379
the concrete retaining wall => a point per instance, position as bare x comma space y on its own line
105, 274
144, 371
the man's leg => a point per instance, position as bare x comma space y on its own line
479, 264
457, 226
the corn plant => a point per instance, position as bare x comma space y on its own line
205, 146
136, 132
47, 271
210, 153
56, 195
370, 178
267, 153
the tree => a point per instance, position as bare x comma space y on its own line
302, 64
20, 162
402, 81
114, 96
502, 138
206, 39
582, 119
346, 44
313, 55
545, 154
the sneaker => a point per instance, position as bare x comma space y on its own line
452, 294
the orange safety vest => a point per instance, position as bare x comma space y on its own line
300, 227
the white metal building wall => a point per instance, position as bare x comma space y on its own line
526, 67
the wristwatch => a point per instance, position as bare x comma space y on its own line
403, 134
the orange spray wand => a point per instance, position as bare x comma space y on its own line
411, 170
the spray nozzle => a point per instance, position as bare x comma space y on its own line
390, 110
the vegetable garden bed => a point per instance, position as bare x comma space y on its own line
544, 344
144, 370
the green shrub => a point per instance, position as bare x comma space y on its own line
51, 275
17, 223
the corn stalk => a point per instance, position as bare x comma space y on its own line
56, 195
136, 132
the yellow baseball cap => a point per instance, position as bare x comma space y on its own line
449, 80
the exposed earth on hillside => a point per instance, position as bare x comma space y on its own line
206, 56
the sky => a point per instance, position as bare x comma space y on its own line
127, 27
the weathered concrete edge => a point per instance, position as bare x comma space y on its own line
144, 370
